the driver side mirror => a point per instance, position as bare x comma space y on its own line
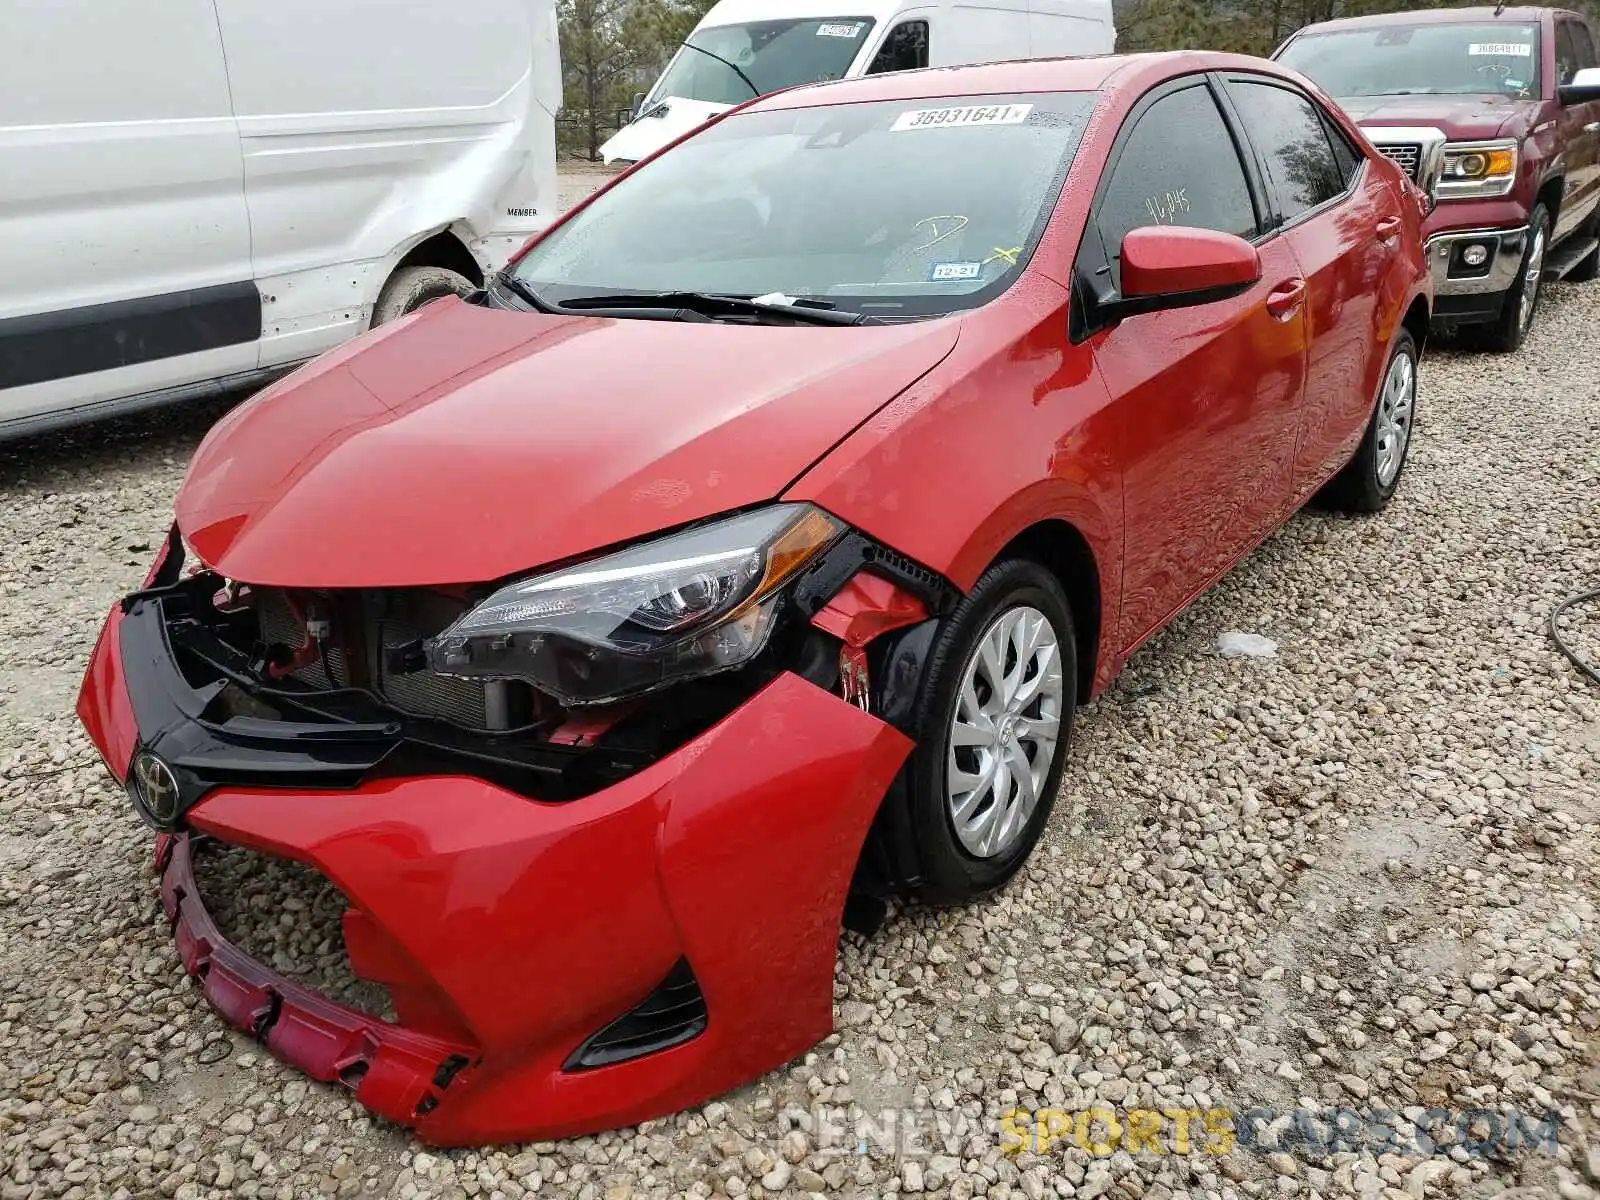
1584, 88
1168, 266
638, 105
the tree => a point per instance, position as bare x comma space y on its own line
603, 42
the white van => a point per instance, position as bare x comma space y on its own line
745, 48
195, 194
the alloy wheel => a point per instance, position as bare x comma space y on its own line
1003, 736
1531, 280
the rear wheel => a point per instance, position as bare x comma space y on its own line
993, 720
410, 288
1369, 481
1522, 301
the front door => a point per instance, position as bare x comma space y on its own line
1208, 398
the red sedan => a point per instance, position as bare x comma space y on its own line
743, 551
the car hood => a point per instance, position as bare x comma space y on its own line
1460, 118
464, 444
665, 122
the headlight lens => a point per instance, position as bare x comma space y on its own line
693, 603
1473, 169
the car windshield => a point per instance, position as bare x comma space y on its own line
893, 208
772, 55
1406, 60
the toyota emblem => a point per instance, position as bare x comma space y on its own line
154, 789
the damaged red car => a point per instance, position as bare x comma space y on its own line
740, 556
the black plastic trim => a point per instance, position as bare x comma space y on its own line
672, 1014
101, 337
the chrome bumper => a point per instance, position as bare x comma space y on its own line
1452, 278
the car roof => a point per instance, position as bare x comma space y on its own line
1088, 74
1439, 16
735, 12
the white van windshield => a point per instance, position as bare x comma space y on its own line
771, 54
1420, 60
892, 208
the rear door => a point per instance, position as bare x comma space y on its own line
1340, 221
1579, 127
1208, 398
124, 245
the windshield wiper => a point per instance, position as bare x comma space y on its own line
710, 304
734, 67
523, 292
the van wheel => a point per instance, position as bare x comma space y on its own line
410, 288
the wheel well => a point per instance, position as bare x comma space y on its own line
1064, 552
444, 250
1550, 196
1416, 322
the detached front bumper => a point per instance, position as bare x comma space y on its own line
510, 932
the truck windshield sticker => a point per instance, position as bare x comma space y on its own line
977, 114
1500, 50
840, 31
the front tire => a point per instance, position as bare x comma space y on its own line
1511, 328
993, 722
1369, 481
410, 288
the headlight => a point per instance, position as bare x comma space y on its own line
693, 603
1478, 169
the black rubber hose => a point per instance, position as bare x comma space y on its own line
1561, 643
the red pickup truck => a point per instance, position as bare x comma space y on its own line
1497, 112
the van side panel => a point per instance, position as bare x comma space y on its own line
124, 241
380, 123
977, 33
1071, 27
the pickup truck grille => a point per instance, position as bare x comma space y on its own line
1407, 154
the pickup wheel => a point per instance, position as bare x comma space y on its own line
410, 288
1369, 481
1506, 335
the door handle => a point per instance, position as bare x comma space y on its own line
1388, 229
1285, 299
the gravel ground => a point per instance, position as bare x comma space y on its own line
1362, 873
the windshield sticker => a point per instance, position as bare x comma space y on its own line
938, 230
947, 118
1500, 50
952, 272
840, 31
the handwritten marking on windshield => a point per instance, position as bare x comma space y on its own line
1003, 255
938, 231
1167, 205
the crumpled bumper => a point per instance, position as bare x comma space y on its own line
509, 931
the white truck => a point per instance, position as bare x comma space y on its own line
746, 48
197, 194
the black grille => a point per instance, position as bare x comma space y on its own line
669, 1016
1407, 154
380, 626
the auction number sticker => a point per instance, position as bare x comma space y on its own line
1500, 50
947, 118
836, 30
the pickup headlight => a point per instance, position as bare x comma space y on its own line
692, 603
1474, 170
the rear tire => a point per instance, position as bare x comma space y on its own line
1369, 481
410, 288
1521, 306
1020, 614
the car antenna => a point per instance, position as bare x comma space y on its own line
1500, 8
